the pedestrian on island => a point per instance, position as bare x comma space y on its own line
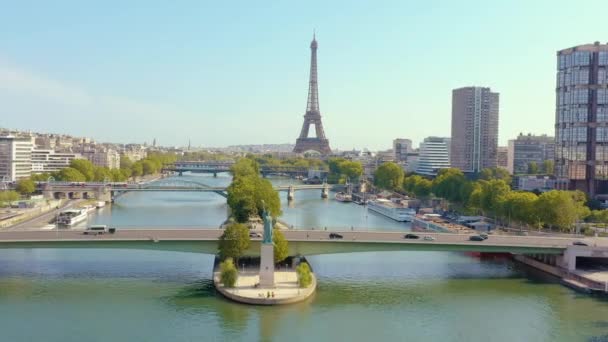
272, 294
268, 294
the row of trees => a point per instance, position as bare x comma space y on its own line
299, 162
82, 170
492, 196
249, 194
546, 168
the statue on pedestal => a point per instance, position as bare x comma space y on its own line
267, 227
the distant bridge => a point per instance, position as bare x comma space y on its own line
216, 167
108, 191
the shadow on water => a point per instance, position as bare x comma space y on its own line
201, 298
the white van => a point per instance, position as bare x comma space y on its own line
96, 229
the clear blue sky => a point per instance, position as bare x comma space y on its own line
236, 72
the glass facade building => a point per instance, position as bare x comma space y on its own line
581, 117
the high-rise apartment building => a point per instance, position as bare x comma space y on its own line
15, 158
434, 155
474, 129
581, 117
502, 157
401, 147
527, 149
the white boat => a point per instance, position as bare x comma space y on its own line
72, 217
343, 197
396, 211
100, 204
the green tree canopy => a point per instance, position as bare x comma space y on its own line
533, 168
495, 173
520, 206
26, 186
85, 167
70, 174
137, 169
304, 275
8, 196
125, 162
448, 184
548, 167
234, 241
389, 176
228, 273
249, 195
281, 246
561, 209
245, 167
492, 195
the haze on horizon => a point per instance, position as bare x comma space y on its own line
224, 74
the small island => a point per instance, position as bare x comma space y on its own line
274, 277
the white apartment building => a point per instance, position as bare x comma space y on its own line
15, 158
51, 161
434, 155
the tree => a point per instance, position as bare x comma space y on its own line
561, 209
137, 169
304, 274
85, 167
70, 174
101, 173
8, 196
519, 206
228, 273
533, 168
351, 169
245, 167
125, 162
548, 167
148, 167
496, 173
241, 198
492, 195
281, 246
250, 195
234, 241
389, 176
448, 184
423, 187
26, 186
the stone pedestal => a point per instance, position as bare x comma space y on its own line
267, 266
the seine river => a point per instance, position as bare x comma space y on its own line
129, 295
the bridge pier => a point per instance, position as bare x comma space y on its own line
325, 191
291, 193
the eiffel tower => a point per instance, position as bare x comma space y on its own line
313, 114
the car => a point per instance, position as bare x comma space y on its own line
484, 236
476, 238
580, 243
428, 238
411, 236
335, 236
255, 235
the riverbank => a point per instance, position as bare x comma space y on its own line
582, 281
32, 216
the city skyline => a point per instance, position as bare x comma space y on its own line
379, 63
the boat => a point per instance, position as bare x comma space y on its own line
343, 197
396, 211
72, 217
100, 204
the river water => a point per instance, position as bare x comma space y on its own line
128, 295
